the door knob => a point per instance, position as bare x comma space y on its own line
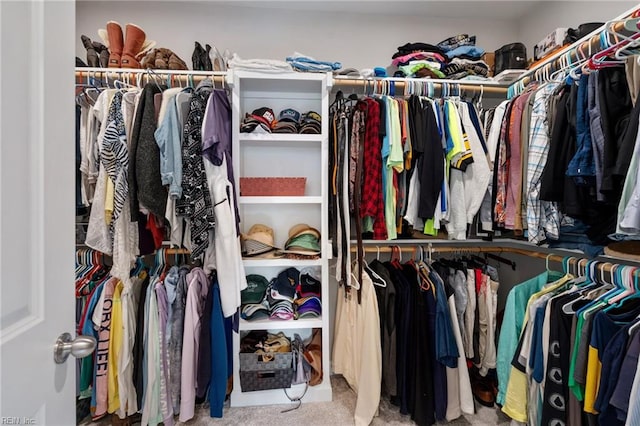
79, 347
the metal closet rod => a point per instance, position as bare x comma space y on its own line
403, 86
132, 75
602, 265
167, 250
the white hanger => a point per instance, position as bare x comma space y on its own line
374, 275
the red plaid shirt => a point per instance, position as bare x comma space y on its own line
372, 187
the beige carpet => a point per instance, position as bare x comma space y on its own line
336, 413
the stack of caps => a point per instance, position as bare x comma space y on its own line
311, 123
288, 121
253, 298
259, 121
304, 240
308, 304
282, 293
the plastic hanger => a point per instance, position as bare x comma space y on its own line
628, 277
396, 257
626, 284
501, 260
546, 262
568, 308
632, 41
375, 278
601, 59
598, 302
152, 73
354, 282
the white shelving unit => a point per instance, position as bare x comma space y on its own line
283, 155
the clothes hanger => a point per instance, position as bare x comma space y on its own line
355, 284
152, 73
396, 257
602, 59
635, 326
546, 262
569, 307
627, 286
375, 278
581, 59
501, 260
615, 282
627, 281
631, 25
598, 302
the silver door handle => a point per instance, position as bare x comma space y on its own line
79, 347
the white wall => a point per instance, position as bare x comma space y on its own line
359, 40
550, 15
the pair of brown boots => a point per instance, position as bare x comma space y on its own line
125, 50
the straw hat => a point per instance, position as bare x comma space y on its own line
258, 240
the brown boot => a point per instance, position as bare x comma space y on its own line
102, 52
92, 54
114, 33
134, 40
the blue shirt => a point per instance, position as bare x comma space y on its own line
168, 139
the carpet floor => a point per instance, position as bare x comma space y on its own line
338, 412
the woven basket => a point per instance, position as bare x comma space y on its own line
273, 186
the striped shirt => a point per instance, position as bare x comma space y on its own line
543, 217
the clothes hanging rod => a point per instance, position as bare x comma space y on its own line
148, 71
348, 79
402, 86
136, 76
167, 250
605, 265
405, 86
588, 43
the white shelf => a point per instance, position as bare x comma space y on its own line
285, 263
289, 76
319, 393
280, 137
268, 324
282, 154
280, 200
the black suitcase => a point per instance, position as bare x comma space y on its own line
575, 34
510, 57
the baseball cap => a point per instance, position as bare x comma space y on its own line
285, 127
254, 311
284, 286
264, 115
309, 285
282, 309
290, 115
256, 289
260, 120
311, 123
309, 307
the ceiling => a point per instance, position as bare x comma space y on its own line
497, 9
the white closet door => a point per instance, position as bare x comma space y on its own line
36, 210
